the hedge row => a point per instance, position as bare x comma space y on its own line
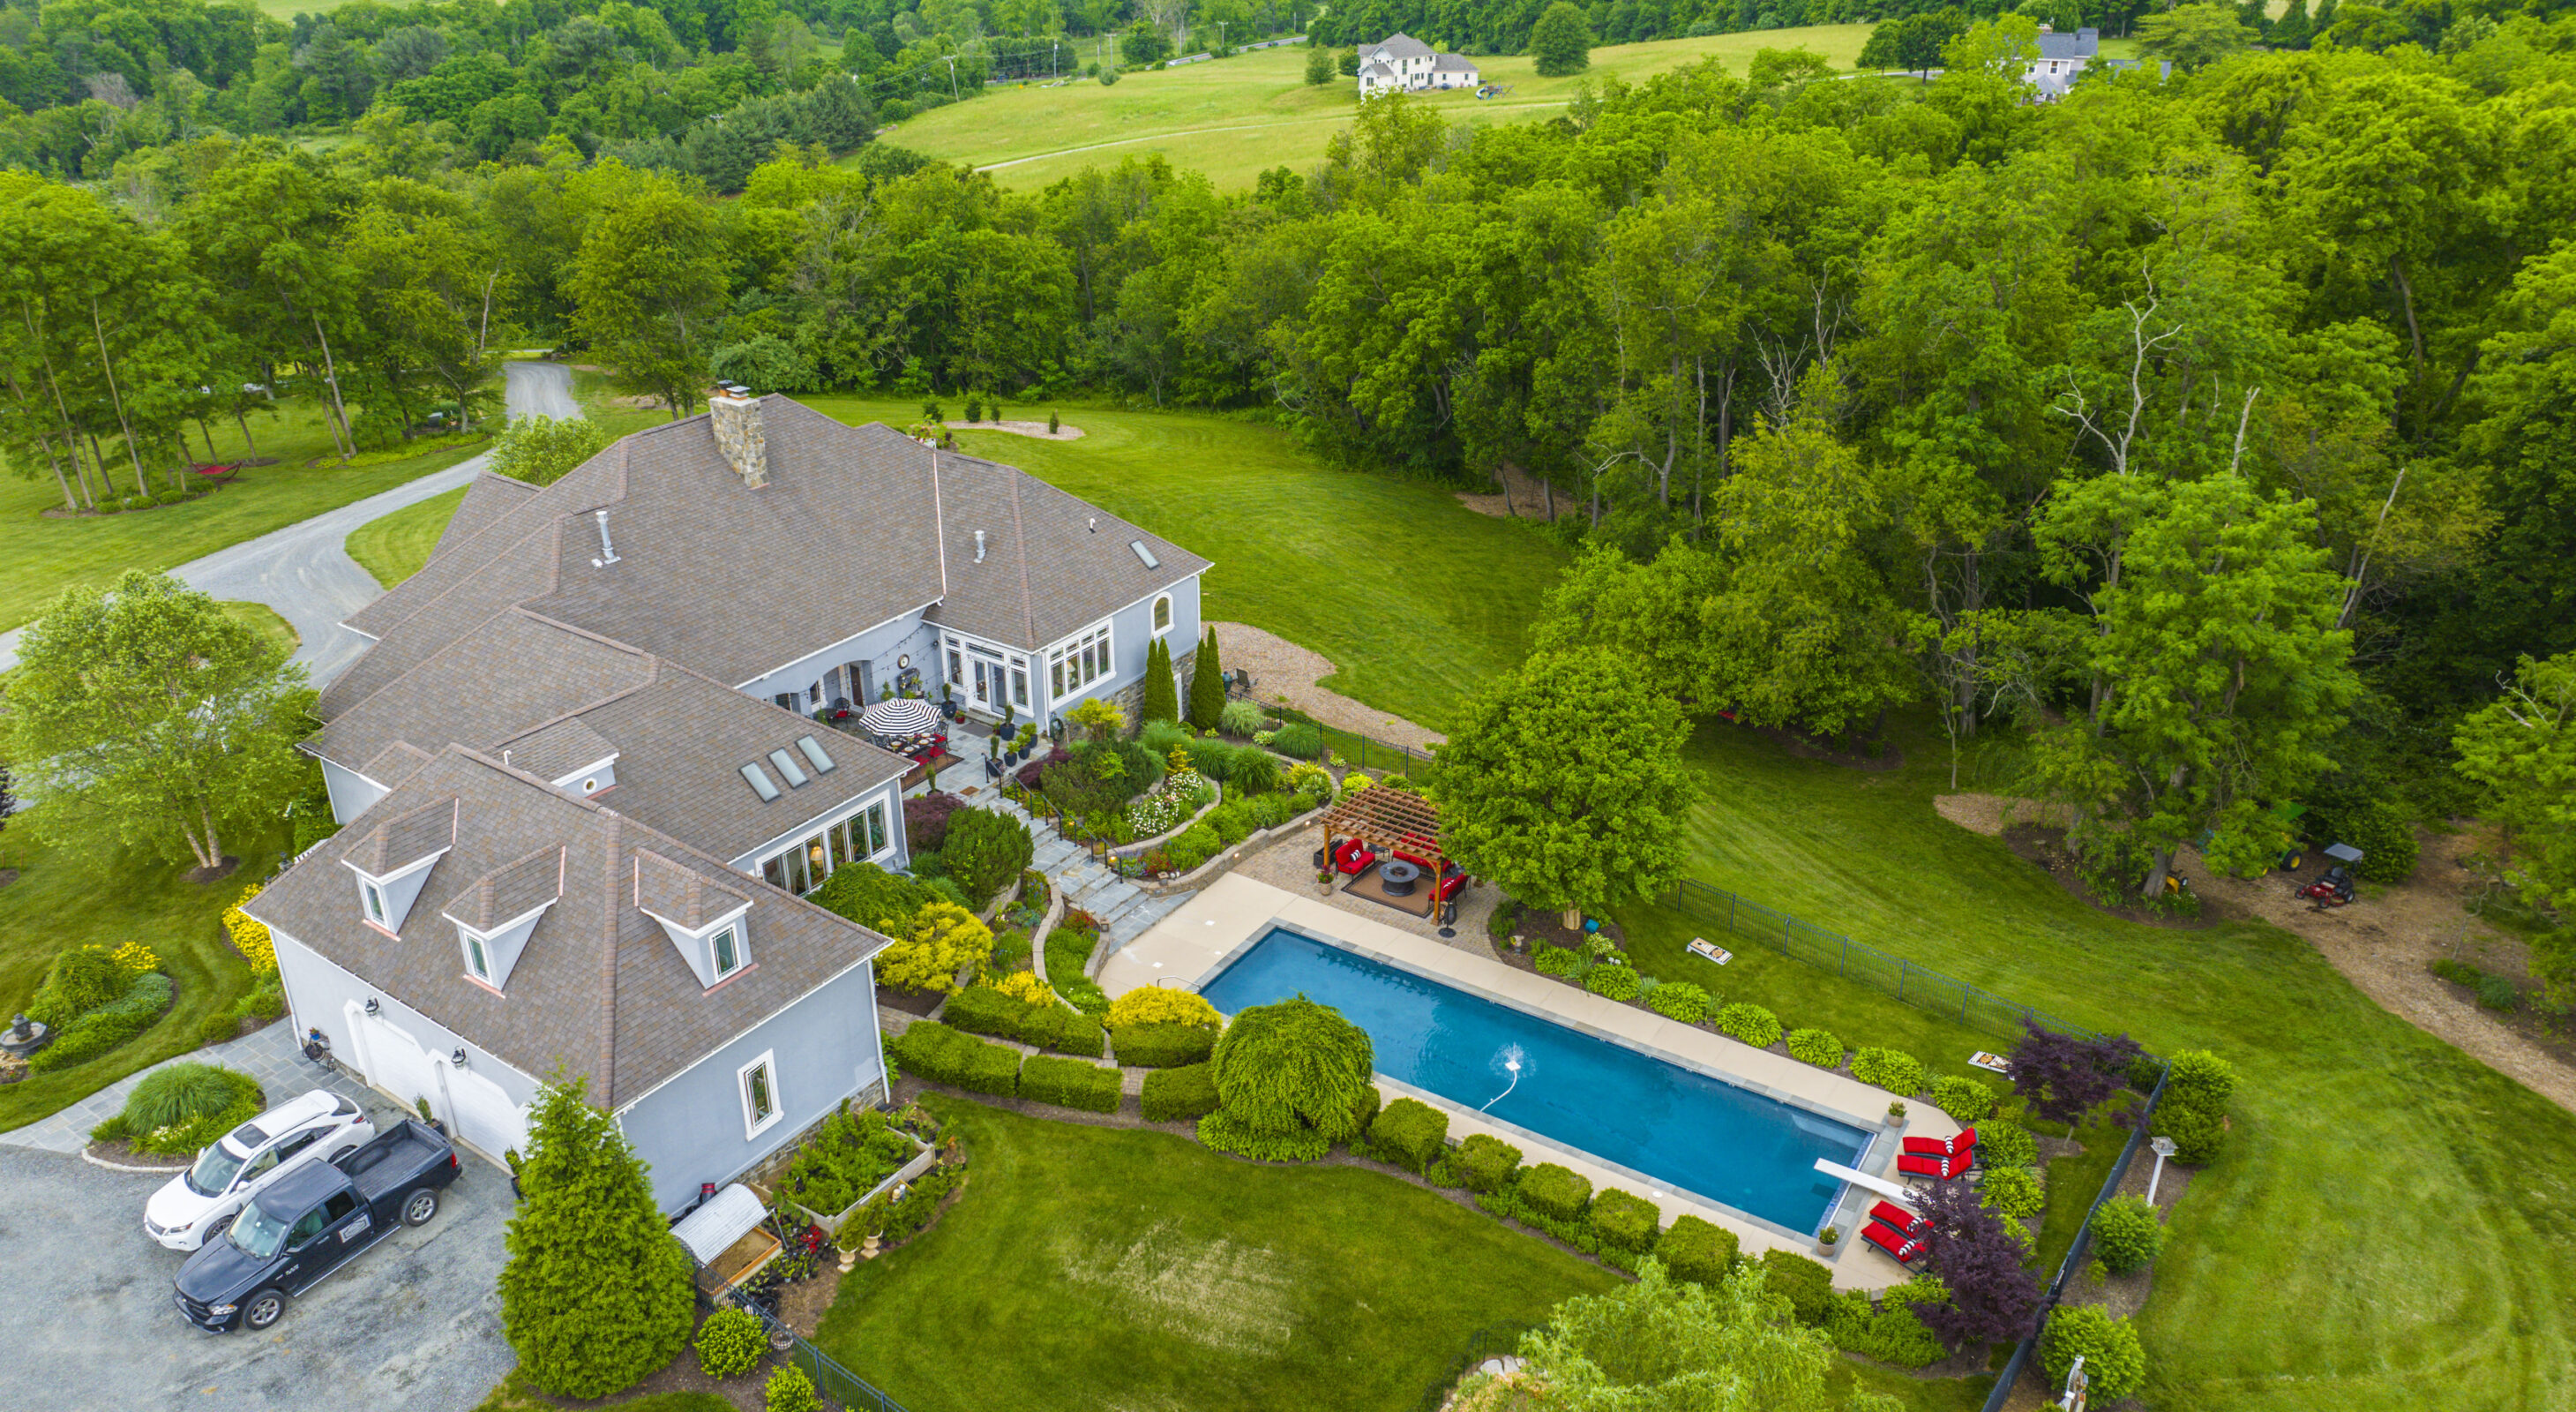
942, 1055
1163, 1046
1182, 1095
1070, 1083
985, 1010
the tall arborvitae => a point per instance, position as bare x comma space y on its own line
1207, 686
1162, 698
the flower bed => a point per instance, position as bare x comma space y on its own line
1170, 806
849, 1160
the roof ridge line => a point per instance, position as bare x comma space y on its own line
1020, 546
607, 1071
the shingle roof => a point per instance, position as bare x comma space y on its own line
556, 749
511, 671
395, 763
510, 891
1454, 64
398, 840
1400, 45
488, 497
2082, 44
681, 894
1377, 71
599, 987
1052, 563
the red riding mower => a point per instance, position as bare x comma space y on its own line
2334, 887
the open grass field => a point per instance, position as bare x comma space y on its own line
1234, 118
394, 547
2385, 1228
62, 900
264, 620
1115, 1268
1417, 599
47, 555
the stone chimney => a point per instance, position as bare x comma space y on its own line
735, 414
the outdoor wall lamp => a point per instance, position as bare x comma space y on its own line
372, 1007
457, 1058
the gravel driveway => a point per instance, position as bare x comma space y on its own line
414, 1323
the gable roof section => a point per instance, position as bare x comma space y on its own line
1400, 45
1048, 568
599, 987
2082, 44
510, 891
395, 763
1454, 64
492, 681
401, 839
680, 894
594, 482
556, 749
488, 497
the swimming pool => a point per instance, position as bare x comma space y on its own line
1701, 1135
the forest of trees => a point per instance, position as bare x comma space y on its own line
2214, 430
703, 87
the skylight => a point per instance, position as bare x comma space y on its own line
814, 753
1145, 554
759, 781
787, 770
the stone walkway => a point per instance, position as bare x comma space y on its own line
269, 1055
1123, 909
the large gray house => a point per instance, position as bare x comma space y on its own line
582, 789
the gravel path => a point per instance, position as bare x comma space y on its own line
1283, 671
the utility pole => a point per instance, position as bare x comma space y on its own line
1220, 35
952, 78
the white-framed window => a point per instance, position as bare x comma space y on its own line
726, 947
956, 666
477, 960
1163, 614
758, 1083
1080, 662
1020, 682
862, 835
375, 897
803, 868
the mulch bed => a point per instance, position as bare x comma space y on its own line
910, 1002
8, 876
223, 869
2046, 846
123, 1154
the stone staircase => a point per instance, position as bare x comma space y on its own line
1123, 909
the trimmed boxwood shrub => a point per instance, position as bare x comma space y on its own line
1163, 1046
1817, 1047
1051, 1026
1964, 1099
2201, 1080
1298, 740
1697, 1250
2126, 1234
1750, 1023
1887, 1331
1484, 1162
1804, 1282
1070, 1083
1626, 1220
2006, 1145
1612, 982
1409, 1133
2196, 1132
943, 1055
1554, 1192
2014, 1191
1891, 1069
2115, 1365
107, 1026
1181, 1095
729, 1342
981, 1009
1679, 1000
1557, 961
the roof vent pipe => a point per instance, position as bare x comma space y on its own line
979, 546
607, 551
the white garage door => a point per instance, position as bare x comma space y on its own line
396, 1063
485, 1117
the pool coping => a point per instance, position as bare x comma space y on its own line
1210, 932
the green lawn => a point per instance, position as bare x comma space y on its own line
1234, 118
1416, 599
395, 546
47, 555
2386, 1227
61, 901
264, 620
1105, 1268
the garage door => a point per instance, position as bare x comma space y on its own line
396, 1063
485, 1117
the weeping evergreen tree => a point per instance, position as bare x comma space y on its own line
1207, 686
596, 1294
1292, 1079
1162, 699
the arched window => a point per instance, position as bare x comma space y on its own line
1163, 613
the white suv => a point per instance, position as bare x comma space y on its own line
198, 1204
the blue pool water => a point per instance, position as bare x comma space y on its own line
1725, 1144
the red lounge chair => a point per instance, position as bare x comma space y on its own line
1354, 857
1942, 1146
1943, 1168
1905, 1222
1886, 1238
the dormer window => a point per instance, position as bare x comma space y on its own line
497, 913
477, 960
726, 945
375, 901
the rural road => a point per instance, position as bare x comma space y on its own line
304, 570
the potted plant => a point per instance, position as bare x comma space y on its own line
1027, 740
1895, 1115
1827, 1239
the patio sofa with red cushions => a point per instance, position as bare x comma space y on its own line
1453, 879
1353, 857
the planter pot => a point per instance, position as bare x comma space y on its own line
1825, 1249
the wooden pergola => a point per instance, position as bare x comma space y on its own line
1387, 820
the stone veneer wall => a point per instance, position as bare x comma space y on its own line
1130, 698
741, 436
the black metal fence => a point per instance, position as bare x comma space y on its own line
1491, 1341
839, 1386
2028, 1349
1918, 986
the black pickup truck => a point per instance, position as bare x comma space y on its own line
311, 1222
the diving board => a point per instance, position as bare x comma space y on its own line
1895, 1191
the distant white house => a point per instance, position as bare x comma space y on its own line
2061, 58
1402, 62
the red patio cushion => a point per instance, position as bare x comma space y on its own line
1887, 1239
1895, 1215
1942, 1167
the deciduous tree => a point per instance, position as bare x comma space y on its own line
648, 288
2522, 747
1561, 41
1978, 1253
2063, 1078
539, 450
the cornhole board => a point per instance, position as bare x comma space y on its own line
1991, 1063
1702, 946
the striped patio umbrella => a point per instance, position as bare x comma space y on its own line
903, 715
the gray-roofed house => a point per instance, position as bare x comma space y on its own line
2061, 58
482, 929
1401, 62
617, 674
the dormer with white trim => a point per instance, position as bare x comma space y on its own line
568, 755
708, 921
393, 861
498, 911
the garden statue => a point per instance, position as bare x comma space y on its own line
25, 1037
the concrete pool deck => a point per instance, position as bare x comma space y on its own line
1192, 944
